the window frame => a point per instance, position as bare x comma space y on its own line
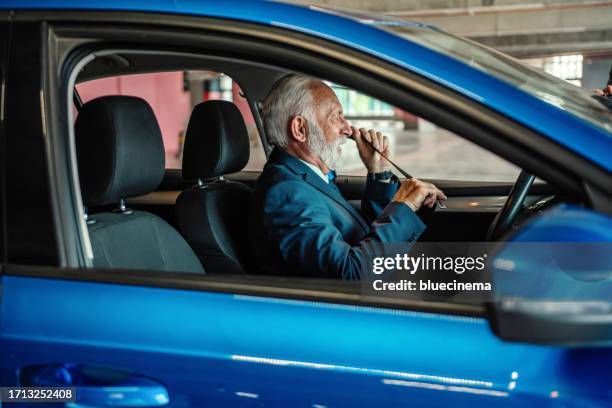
5, 40
407, 90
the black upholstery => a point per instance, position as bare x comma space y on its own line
139, 240
214, 222
120, 154
120, 149
212, 216
216, 142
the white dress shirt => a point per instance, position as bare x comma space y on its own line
317, 171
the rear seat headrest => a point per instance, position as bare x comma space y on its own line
216, 142
120, 149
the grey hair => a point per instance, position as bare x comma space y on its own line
290, 96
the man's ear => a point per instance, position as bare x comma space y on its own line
297, 129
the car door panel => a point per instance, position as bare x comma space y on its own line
220, 349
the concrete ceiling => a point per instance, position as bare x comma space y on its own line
519, 28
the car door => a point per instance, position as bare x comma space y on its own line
126, 338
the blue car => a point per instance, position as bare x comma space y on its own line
178, 316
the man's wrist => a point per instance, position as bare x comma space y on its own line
386, 176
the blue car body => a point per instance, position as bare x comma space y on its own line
220, 349
256, 351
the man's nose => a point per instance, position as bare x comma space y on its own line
347, 130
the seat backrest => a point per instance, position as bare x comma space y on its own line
120, 154
212, 215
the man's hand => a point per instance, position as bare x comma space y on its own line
373, 161
415, 193
607, 91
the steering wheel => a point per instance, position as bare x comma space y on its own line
513, 205
426, 214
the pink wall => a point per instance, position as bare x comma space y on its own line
163, 91
243, 105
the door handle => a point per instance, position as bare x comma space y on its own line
98, 386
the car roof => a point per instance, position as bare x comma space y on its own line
584, 138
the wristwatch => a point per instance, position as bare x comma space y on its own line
385, 176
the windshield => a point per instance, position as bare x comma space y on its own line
531, 80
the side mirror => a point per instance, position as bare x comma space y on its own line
553, 280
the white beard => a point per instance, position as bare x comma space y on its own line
329, 153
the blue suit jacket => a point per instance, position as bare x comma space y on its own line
303, 226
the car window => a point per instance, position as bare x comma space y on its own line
421, 148
172, 95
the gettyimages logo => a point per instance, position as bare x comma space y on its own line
429, 269
413, 264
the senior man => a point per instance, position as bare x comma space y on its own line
299, 222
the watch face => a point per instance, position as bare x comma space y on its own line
385, 175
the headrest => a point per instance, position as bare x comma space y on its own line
120, 150
216, 142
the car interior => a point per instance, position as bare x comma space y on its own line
194, 219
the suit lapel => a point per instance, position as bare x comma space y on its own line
295, 165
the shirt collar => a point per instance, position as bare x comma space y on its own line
317, 171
